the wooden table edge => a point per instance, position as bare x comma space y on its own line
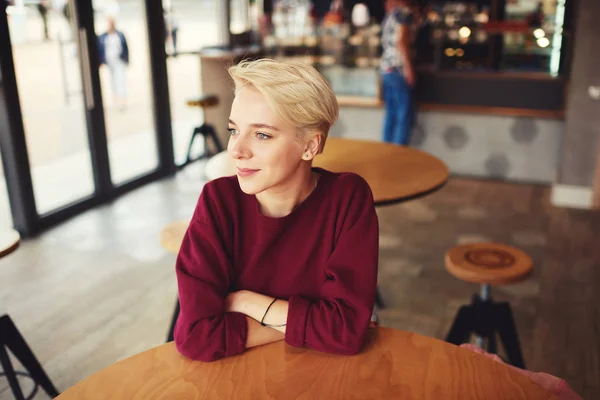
398, 200
10, 248
170, 346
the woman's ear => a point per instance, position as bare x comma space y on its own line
312, 145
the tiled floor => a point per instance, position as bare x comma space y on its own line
99, 288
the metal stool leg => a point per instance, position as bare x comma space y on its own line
209, 131
484, 296
170, 337
17, 345
462, 326
10, 374
379, 299
508, 334
197, 130
491, 345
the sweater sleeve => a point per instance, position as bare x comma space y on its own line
338, 322
204, 331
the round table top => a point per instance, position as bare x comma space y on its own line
9, 241
488, 263
393, 172
394, 365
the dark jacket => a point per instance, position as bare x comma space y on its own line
102, 47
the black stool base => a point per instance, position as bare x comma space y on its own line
208, 132
486, 318
11, 338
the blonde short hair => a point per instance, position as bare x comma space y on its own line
296, 92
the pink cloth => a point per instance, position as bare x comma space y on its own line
559, 387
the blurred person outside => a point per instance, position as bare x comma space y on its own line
171, 29
43, 10
114, 53
398, 73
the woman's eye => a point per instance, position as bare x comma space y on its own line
262, 136
232, 131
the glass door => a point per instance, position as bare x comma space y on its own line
84, 84
48, 76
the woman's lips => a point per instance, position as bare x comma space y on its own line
245, 172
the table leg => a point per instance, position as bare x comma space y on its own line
10, 374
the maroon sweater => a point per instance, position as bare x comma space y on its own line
322, 258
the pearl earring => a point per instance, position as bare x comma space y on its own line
306, 155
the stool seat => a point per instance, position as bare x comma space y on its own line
203, 101
172, 235
488, 263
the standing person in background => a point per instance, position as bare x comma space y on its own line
114, 52
43, 10
265, 21
398, 73
171, 29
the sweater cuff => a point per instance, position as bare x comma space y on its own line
296, 321
237, 333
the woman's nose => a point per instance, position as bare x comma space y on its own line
239, 147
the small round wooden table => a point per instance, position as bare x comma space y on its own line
9, 241
394, 173
393, 365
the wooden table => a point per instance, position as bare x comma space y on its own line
394, 173
393, 365
9, 241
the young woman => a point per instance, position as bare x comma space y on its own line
282, 251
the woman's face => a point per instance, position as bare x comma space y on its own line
267, 152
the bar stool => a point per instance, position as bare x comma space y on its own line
206, 130
11, 339
488, 264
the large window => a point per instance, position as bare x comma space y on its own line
52, 105
87, 79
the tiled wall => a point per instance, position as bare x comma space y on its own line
511, 148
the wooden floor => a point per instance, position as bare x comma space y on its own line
99, 288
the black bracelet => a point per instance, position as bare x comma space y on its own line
274, 326
262, 321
